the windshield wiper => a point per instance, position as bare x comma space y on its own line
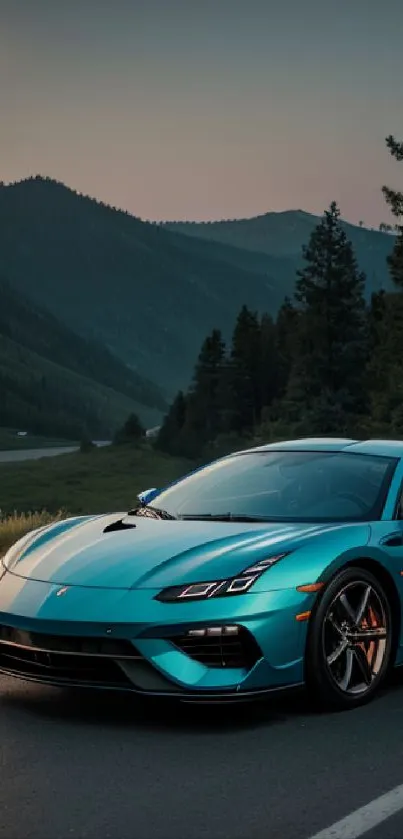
237, 517
152, 513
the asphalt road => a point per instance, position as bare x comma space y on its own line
17, 456
75, 765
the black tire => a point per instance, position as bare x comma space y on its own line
327, 682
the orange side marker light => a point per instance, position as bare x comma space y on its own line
303, 616
310, 587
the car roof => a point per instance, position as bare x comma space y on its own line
387, 448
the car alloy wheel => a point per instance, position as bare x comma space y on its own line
350, 640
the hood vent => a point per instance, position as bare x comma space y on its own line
118, 525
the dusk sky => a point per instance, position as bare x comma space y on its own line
183, 109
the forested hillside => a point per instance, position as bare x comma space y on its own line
283, 235
147, 294
53, 381
329, 363
142, 296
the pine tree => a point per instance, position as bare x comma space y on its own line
395, 201
385, 368
286, 337
168, 439
205, 399
376, 316
244, 398
196, 419
86, 444
331, 345
131, 431
270, 367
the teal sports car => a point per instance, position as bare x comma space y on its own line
268, 569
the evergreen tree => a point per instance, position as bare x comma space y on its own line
270, 367
86, 444
205, 399
168, 439
395, 201
376, 315
196, 419
286, 337
331, 345
132, 431
244, 397
385, 367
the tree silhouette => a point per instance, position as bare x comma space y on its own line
394, 199
332, 335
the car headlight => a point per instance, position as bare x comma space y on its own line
219, 588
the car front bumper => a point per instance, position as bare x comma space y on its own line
128, 640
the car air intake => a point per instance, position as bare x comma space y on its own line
118, 525
220, 646
65, 659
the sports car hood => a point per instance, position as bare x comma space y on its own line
153, 554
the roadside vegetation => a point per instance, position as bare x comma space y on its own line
17, 525
97, 481
86, 482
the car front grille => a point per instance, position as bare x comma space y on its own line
238, 651
65, 659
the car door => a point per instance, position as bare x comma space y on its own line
387, 538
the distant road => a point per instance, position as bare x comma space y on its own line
19, 455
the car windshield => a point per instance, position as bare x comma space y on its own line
284, 486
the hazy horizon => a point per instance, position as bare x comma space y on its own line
223, 110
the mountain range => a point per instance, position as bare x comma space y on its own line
283, 235
55, 382
145, 294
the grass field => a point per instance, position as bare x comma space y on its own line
103, 479
108, 479
14, 527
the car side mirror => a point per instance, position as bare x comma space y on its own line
147, 495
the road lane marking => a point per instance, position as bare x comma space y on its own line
366, 818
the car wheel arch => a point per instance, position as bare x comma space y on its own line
386, 580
